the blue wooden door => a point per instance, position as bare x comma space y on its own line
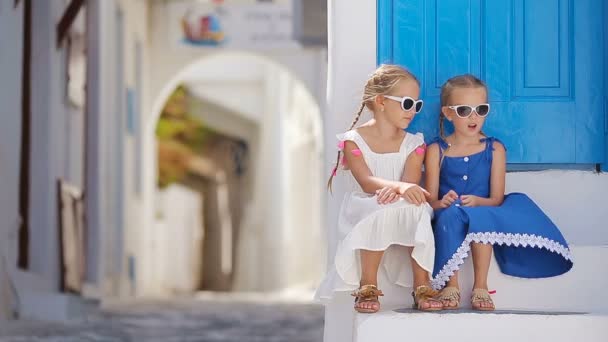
543, 61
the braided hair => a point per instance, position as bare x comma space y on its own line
381, 82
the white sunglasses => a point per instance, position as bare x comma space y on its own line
464, 111
407, 103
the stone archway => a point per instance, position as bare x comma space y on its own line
281, 227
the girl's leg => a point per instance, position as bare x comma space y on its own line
451, 301
421, 278
453, 282
370, 262
482, 255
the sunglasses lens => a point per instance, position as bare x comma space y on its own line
418, 106
463, 111
407, 104
483, 110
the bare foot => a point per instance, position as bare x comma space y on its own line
366, 300
424, 299
450, 297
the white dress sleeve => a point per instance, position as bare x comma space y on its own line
350, 135
414, 142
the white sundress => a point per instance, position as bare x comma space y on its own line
365, 224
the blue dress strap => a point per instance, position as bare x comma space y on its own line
443, 145
490, 145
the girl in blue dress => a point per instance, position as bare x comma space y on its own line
465, 176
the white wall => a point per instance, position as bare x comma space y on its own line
284, 133
181, 226
11, 33
55, 128
304, 236
57, 132
99, 53
346, 78
49, 117
169, 60
352, 32
171, 65
135, 231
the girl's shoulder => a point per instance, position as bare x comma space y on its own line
348, 135
354, 134
494, 144
438, 142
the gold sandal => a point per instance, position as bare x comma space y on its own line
450, 294
424, 293
367, 294
481, 296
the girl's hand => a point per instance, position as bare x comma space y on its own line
416, 195
387, 195
470, 200
448, 199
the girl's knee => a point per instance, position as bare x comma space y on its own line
453, 213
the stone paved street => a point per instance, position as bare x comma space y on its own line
206, 319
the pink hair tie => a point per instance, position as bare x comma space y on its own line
341, 145
492, 292
356, 152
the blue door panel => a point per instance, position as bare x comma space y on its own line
542, 59
589, 83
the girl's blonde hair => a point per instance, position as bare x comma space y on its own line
461, 81
381, 82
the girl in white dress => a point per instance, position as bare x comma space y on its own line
384, 218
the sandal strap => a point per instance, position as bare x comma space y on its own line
481, 296
367, 293
424, 292
449, 293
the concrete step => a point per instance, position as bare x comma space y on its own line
583, 289
505, 326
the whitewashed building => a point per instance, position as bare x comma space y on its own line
100, 144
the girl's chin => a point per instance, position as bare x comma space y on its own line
469, 132
405, 123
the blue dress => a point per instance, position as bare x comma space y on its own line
526, 242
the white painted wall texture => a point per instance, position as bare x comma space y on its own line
266, 101
11, 33
56, 128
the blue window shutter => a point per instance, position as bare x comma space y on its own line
539, 58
